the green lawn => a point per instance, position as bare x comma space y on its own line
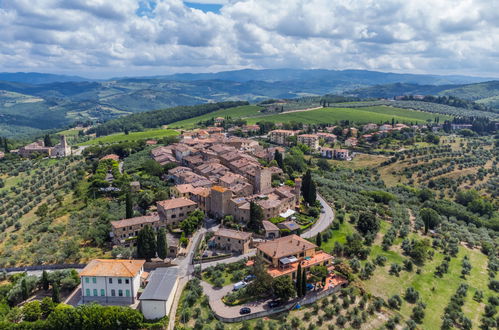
234, 113
339, 235
375, 114
70, 132
134, 136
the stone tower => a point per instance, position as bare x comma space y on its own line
297, 189
219, 201
263, 180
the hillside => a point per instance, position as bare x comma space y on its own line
30, 102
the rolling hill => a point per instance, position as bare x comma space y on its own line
30, 102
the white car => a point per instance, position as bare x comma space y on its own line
239, 285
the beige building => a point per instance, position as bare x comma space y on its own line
285, 254
271, 230
280, 136
310, 140
219, 201
173, 211
125, 231
232, 240
111, 281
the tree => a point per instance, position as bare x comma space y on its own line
318, 240
262, 284
308, 188
146, 243
129, 205
162, 244
368, 223
6, 146
24, 289
47, 306
430, 218
47, 140
42, 210
304, 282
32, 311
299, 274
56, 293
45, 281
256, 217
278, 158
283, 287
318, 273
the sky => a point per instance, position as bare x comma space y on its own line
110, 38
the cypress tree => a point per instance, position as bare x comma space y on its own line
318, 240
298, 281
278, 158
47, 141
24, 289
161, 243
6, 146
56, 293
304, 283
308, 188
146, 243
129, 205
45, 281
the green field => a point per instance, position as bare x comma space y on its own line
237, 112
70, 132
134, 136
376, 114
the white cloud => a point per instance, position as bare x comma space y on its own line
109, 38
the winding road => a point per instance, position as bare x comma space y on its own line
324, 221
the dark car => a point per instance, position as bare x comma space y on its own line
274, 303
249, 278
245, 310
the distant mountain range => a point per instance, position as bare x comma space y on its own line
30, 102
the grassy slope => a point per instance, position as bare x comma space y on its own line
434, 291
237, 112
134, 136
360, 115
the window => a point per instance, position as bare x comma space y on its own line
124, 228
173, 216
181, 215
87, 280
127, 281
102, 292
113, 293
119, 281
95, 292
127, 293
110, 281
94, 280
120, 293
87, 292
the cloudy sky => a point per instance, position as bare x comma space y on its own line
104, 38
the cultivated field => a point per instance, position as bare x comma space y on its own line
234, 113
133, 136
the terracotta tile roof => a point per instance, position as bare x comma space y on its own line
184, 188
135, 221
269, 226
111, 156
318, 258
113, 267
231, 233
219, 189
175, 203
285, 246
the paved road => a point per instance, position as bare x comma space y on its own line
228, 260
325, 220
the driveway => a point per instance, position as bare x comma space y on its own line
221, 309
324, 221
228, 260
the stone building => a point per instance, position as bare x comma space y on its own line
310, 140
230, 240
173, 211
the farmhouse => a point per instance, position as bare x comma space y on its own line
111, 281
285, 254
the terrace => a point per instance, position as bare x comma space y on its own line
289, 265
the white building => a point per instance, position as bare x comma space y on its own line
111, 281
157, 299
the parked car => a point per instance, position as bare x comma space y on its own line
245, 310
239, 285
274, 303
249, 278
309, 286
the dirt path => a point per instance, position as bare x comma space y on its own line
299, 110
